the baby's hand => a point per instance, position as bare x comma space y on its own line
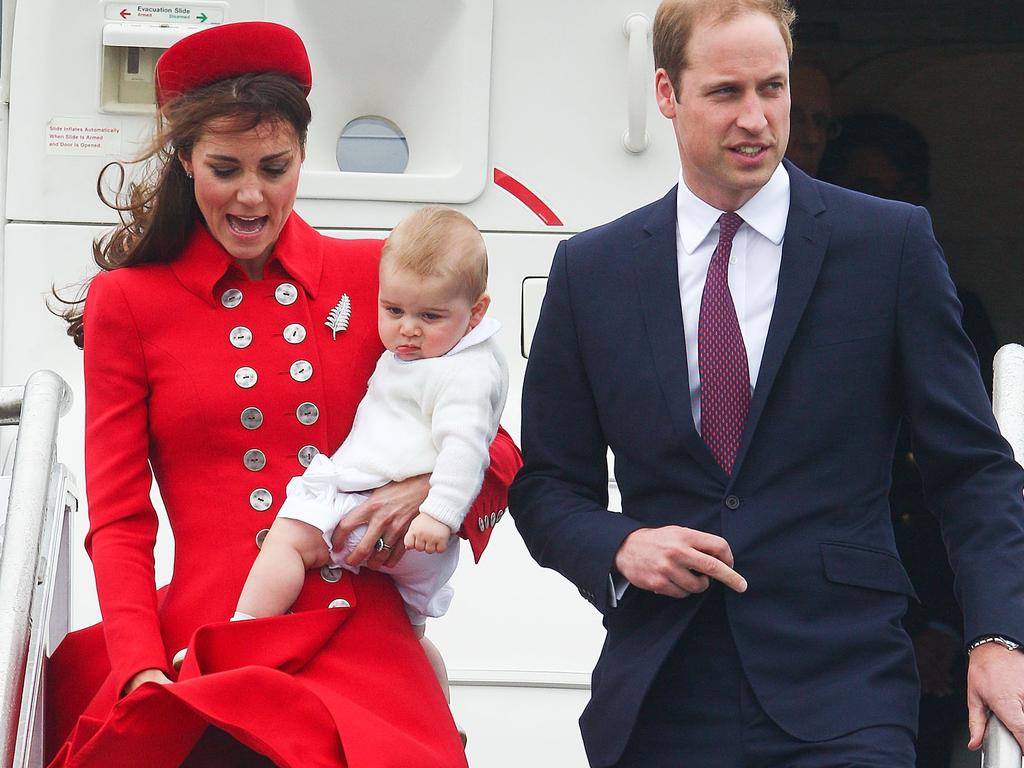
427, 535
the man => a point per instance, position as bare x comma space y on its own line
746, 347
811, 123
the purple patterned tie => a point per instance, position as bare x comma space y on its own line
722, 356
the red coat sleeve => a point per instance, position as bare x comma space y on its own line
489, 506
122, 520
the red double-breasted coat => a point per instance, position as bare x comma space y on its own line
222, 388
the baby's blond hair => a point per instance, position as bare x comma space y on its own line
440, 242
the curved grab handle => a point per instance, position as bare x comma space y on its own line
638, 76
1000, 749
1008, 396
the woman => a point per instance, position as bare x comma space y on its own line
226, 343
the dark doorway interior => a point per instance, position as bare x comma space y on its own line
955, 70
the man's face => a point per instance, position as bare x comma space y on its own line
811, 117
732, 115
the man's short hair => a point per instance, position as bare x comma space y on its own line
676, 19
436, 241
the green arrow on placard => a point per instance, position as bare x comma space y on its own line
202, 17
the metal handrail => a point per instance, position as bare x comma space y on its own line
37, 408
1000, 749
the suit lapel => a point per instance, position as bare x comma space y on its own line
803, 251
654, 261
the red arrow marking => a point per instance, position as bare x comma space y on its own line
124, 13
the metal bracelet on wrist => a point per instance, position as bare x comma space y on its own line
1008, 644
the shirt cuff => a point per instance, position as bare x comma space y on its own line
617, 586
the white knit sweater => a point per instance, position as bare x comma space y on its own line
436, 415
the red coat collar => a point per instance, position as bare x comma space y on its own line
297, 254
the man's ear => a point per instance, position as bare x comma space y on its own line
665, 93
478, 310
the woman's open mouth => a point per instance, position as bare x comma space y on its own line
247, 226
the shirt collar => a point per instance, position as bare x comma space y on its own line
766, 212
486, 328
298, 254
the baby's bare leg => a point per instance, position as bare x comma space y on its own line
435, 659
290, 549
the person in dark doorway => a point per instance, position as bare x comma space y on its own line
812, 125
885, 156
746, 347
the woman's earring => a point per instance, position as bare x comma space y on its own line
188, 174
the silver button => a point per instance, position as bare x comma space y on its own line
252, 418
307, 414
261, 537
294, 333
306, 454
254, 459
331, 573
245, 377
260, 499
481, 524
339, 602
494, 518
301, 370
231, 298
240, 337
286, 294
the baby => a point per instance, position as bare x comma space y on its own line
432, 405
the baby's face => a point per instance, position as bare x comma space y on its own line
421, 317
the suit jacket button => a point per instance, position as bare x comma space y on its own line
260, 536
252, 418
339, 602
286, 294
240, 337
254, 459
294, 333
245, 377
301, 370
331, 573
732, 502
261, 500
306, 454
231, 298
307, 413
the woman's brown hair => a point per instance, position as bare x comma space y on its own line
158, 212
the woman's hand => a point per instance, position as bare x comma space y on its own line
387, 514
146, 676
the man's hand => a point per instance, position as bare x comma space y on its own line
995, 682
676, 561
387, 514
427, 535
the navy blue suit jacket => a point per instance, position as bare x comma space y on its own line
866, 328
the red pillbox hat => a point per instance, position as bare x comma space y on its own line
230, 50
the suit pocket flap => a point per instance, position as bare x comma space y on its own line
862, 567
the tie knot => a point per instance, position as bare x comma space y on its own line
728, 224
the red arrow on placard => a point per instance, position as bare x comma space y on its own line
124, 13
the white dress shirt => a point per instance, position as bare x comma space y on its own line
753, 267
753, 277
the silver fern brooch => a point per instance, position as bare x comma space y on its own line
337, 318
